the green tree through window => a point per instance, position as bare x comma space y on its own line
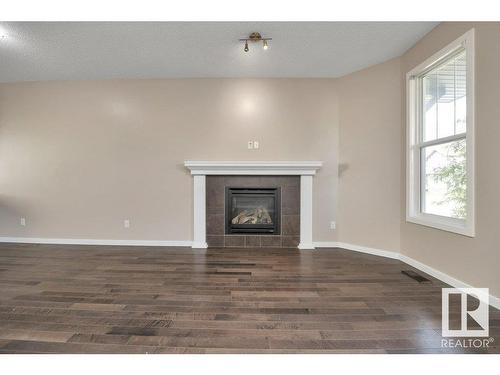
454, 176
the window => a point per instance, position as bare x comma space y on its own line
440, 147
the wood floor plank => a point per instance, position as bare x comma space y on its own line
34, 335
118, 299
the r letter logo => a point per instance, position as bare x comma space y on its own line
479, 314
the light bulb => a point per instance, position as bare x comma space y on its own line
265, 46
246, 46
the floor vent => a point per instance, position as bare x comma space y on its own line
415, 276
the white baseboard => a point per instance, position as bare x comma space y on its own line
325, 244
361, 249
82, 241
199, 245
494, 301
306, 246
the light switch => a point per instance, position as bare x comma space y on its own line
250, 145
256, 144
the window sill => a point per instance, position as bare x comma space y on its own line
447, 224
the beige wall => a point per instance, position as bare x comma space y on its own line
77, 158
370, 152
475, 261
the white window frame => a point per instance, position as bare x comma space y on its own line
414, 144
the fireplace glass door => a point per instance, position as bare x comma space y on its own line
251, 210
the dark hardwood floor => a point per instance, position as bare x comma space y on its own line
101, 299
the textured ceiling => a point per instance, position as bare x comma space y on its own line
104, 50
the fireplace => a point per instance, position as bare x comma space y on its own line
253, 210
294, 181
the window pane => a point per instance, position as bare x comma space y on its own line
460, 94
445, 179
444, 99
430, 106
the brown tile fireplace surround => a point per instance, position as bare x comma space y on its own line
289, 187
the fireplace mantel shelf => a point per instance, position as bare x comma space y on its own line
305, 169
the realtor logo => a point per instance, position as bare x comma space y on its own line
479, 314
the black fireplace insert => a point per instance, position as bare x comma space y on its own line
253, 210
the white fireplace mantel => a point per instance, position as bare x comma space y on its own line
305, 169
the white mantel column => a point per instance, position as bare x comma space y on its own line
199, 206
306, 204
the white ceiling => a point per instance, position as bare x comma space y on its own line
103, 50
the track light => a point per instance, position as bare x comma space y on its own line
255, 37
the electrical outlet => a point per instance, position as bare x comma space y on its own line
23, 221
333, 225
250, 145
256, 144
126, 223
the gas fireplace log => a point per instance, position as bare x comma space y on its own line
258, 215
241, 215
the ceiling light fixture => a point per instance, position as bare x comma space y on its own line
255, 37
